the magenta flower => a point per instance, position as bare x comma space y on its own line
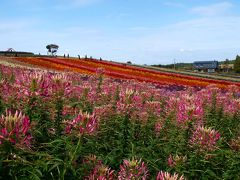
189, 108
84, 123
133, 169
204, 139
170, 161
14, 128
231, 106
176, 160
167, 176
104, 111
101, 172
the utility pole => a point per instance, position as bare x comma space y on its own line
174, 63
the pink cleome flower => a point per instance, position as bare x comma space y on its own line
14, 128
204, 139
133, 169
84, 123
101, 172
98, 171
167, 176
176, 160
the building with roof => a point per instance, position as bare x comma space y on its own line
205, 66
226, 67
12, 53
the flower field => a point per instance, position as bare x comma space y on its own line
100, 120
120, 71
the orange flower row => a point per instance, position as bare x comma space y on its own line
122, 71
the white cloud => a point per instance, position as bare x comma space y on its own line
203, 39
197, 39
213, 10
215, 32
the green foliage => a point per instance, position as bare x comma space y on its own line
56, 155
120, 138
237, 64
58, 115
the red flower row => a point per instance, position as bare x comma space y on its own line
122, 71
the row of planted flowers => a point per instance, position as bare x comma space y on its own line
16, 130
122, 71
71, 126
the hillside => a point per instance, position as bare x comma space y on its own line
115, 70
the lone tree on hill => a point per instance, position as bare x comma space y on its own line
52, 49
237, 64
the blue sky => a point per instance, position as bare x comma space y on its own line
142, 31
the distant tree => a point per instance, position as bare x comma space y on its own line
237, 64
52, 49
226, 61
